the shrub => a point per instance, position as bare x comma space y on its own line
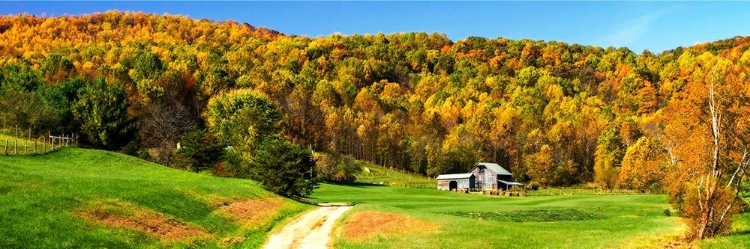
533, 185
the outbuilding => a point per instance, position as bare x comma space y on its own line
456, 181
492, 176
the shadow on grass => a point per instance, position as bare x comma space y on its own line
357, 184
532, 215
740, 233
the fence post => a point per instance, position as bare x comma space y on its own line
15, 144
35, 140
44, 141
6, 146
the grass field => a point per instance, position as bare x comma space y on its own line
474, 221
549, 218
96, 199
383, 176
88, 198
25, 146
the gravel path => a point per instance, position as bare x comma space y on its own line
310, 231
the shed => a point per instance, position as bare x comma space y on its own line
491, 176
456, 181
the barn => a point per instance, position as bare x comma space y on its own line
491, 176
456, 181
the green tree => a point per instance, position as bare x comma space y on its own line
62, 96
199, 150
284, 168
335, 167
242, 118
101, 111
26, 109
608, 157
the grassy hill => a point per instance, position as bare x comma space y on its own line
380, 175
89, 198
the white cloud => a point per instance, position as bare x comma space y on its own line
630, 32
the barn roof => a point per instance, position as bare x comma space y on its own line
495, 168
454, 176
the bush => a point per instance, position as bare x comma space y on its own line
533, 185
284, 168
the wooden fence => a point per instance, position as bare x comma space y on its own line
18, 143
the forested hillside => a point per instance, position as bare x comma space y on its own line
555, 113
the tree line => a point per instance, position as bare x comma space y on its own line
553, 113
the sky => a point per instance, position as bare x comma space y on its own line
656, 26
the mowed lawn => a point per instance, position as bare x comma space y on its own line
97, 199
475, 221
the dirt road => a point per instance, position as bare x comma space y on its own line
310, 231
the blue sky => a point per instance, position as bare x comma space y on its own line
656, 26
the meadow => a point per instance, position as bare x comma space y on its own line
78, 198
476, 221
90, 198
548, 218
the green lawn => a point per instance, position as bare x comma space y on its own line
475, 221
43, 197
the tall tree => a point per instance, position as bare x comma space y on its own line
284, 168
709, 123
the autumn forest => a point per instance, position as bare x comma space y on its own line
554, 114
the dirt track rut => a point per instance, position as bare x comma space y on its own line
312, 230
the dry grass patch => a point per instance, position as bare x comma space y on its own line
232, 241
251, 213
365, 225
129, 216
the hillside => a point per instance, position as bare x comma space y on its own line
555, 113
75, 198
